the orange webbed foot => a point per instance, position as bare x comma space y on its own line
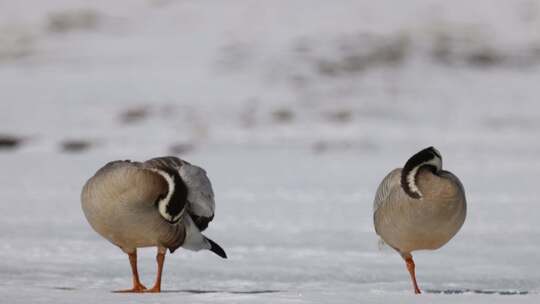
155, 289
136, 289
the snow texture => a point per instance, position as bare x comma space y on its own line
297, 110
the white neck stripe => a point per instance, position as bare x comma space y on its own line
411, 177
162, 204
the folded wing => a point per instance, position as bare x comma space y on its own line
125, 182
201, 203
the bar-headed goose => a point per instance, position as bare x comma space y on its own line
419, 207
164, 202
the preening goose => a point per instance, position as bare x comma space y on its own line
419, 207
164, 202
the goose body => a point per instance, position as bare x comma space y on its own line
419, 206
164, 202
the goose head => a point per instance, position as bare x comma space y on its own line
429, 158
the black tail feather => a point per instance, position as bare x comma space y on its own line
215, 248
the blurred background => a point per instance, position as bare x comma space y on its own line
297, 109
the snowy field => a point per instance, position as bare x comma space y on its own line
297, 110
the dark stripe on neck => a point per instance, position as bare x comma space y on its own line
416, 162
178, 198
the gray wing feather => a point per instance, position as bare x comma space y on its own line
383, 192
385, 187
166, 162
200, 193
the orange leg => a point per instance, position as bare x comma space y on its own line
410, 266
160, 258
137, 286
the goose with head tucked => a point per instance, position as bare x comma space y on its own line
164, 202
418, 207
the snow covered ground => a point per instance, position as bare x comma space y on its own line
296, 109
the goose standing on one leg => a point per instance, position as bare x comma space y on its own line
164, 202
419, 207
